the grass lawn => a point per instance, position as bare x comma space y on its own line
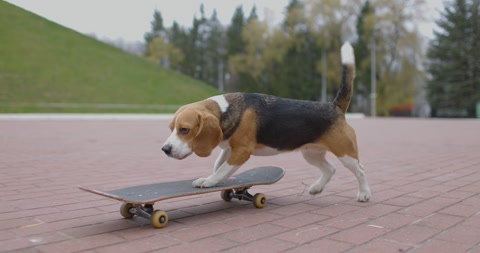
44, 65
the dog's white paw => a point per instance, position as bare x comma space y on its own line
198, 182
203, 183
315, 189
363, 196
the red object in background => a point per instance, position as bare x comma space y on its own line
404, 110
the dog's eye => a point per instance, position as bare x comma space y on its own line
184, 131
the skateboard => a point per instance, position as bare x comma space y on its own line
139, 200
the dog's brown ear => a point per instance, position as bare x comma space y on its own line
208, 136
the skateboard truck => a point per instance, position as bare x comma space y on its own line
158, 218
259, 200
144, 211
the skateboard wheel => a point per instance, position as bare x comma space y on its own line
125, 210
259, 200
226, 195
159, 219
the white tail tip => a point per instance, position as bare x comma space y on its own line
348, 57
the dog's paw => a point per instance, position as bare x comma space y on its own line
203, 183
363, 196
198, 182
314, 190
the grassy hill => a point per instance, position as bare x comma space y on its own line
45, 67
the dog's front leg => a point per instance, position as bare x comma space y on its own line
233, 162
219, 176
222, 158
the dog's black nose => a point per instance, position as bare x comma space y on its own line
167, 149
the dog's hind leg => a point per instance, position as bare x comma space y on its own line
342, 142
316, 158
356, 168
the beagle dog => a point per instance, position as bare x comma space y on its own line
245, 124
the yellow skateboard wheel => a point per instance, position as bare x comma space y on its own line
259, 200
226, 195
159, 219
124, 210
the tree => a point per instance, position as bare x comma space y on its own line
286, 61
253, 14
158, 47
177, 37
299, 77
235, 45
215, 52
255, 66
453, 54
363, 61
164, 53
246, 64
200, 35
332, 22
157, 27
195, 53
398, 49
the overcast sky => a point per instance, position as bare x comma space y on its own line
130, 19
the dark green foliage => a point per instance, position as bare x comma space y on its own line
194, 52
362, 51
178, 37
215, 51
235, 42
454, 58
236, 45
157, 27
253, 14
299, 76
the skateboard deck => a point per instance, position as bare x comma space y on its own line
139, 200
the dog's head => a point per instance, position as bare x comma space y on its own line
193, 130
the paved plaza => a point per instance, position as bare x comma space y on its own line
424, 175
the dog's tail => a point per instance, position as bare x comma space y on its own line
344, 95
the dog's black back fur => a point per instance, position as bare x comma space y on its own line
283, 124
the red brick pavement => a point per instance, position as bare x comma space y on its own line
424, 175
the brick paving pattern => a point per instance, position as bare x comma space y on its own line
424, 176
